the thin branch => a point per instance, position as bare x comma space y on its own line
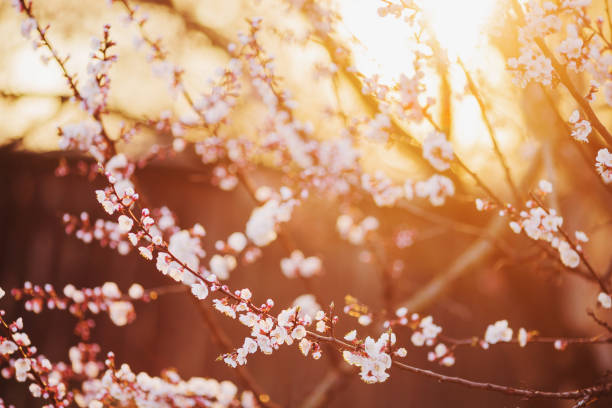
331, 382
584, 402
223, 341
571, 243
565, 80
487, 122
71, 79
600, 322
599, 339
608, 16
597, 390
464, 263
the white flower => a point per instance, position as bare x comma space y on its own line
376, 128
136, 291
199, 290
321, 326
299, 332
178, 144
305, 346
145, 253
307, 305
515, 227
222, 265
498, 332
401, 312
237, 241
117, 163
245, 294
27, 26
429, 330
297, 265
81, 136
522, 337
436, 188
604, 300
186, 248
121, 312
569, 257
22, 339
125, 224
531, 65
22, 367
545, 186
571, 47
350, 336
249, 319
439, 351
418, 339
261, 226
110, 290
344, 224
364, 320
438, 151
604, 165
559, 344
574, 117
2, 293
310, 266
374, 361
581, 236
35, 390
7, 347
581, 128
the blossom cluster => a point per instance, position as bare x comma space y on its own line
309, 167
120, 385
541, 224
80, 303
22, 362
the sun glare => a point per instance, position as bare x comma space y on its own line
459, 25
385, 47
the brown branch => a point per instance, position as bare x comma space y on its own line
584, 402
72, 82
571, 243
597, 390
37, 377
481, 248
217, 39
580, 147
487, 122
465, 262
600, 322
599, 339
330, 383
224, 343
608, 16
565, 80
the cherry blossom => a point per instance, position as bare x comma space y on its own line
499, 331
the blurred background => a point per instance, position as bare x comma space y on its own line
169, 332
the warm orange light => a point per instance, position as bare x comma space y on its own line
460, 26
